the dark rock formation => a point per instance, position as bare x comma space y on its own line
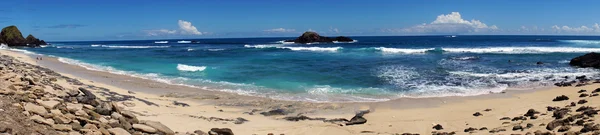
12, 37
561, 98
587, 60
312, 37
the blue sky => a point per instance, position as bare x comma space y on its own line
67, 20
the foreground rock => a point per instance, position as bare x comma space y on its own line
587, 60
313, 37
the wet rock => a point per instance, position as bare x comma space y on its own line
587, 60
583, 101
470, 129
590, 127
438, 127
36, 109
159, 127
477, 114
531, 112
180, 104
560, 113
584, 95
220, 131
519, 118
144, 128
274, 112
505, 118
357, 119
118, 131
561, 98
517, 127
564, 129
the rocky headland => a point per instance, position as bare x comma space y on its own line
11, 36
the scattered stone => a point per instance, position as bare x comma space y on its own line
274, 112
487, 110
477, 114
531, 112
561, 98
519, 118
589, 127
357, 119
128, 104
200, 132
118, 131
470, 129
104, 108
581, 91
505, 118
552, 108
36, 109
517, 127
529, 125
584, 95
483, 128
144, 128
564, 129
220, 131
180, 104
39, 119
556, 123
560, 113
438, 127
51, 104
583, 101
159, 127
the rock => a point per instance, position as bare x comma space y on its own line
88, 97
39, 119
583, 101
561, 98
74, 133
529, 125
487, 110
48, 104
539, 63
357, 119
116, 115
12, 37
589, 127
118, 131
159, 127
560, 113
564, 129
62, 127
556, 123
180, 104
505, 118
36, 109
581, 91
90, 126
438, 127
518, 118
104, 108
587, 60
74, 107
517, 127
531, 112
274, 112
313, 37
221, 131
583, 95
483, 128
76, 126
477, 114
470, 129
144, 128
200, 132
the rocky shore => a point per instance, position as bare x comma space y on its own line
34, 100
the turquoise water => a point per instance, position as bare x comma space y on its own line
370, 69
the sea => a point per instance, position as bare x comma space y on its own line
369, 69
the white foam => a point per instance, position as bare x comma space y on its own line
353, 41
214, 50
582, 41
134, 47
322, 49
182, 67
521, 50
190, 49
283, 42
403, 50
95, 45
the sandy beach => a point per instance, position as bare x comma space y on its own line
185, 109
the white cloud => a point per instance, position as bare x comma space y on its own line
159, 32
451, 23
334, 30
187, 28
311, 30
280, 30
576, 30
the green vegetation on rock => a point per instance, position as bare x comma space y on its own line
12, 37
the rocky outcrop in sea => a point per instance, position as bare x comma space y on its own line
11, 36
313, 37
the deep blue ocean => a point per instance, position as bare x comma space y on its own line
369, 69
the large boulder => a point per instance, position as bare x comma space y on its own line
313, 37
587, 60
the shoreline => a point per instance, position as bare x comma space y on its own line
404, 115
